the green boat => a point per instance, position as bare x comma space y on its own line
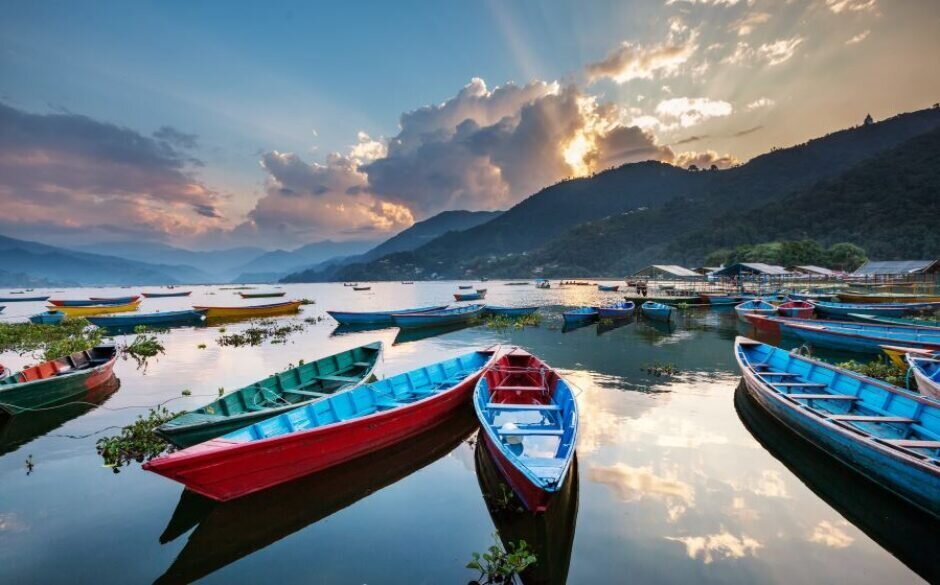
66, 379
273, 395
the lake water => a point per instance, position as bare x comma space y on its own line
679, 479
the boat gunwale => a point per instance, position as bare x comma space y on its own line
65, 375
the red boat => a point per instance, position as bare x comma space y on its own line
798, 309
762, 323
326, 432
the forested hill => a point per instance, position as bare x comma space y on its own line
634, 215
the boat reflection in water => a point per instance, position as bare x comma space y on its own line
16, 431
550, 535
605, 325
227, 532
347, 329
900, 528
417, 334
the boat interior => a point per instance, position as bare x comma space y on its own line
82, 360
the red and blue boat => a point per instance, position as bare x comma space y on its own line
327, 432
849, 335
797, 309
377, 317
450, 316
93, 301
754, 307
529, 419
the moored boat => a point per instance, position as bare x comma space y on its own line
325, 433
87, 310
851, 297
471, 296
927, 373
886, 433
48, 318
529, 419
510, 311
158, 319
22, 299
876, 309
810, 296
251, 310
92, 301
621, 310
56, 381
608, 288
465, 286
657, 311
361, 288
849, 335
158, 295
720, 298
896, 321
754, 307
262, 295
580, 315
798, 309
377, 317
436, 318
898, 354
273, 395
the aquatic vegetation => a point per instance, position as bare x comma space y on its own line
53, 340
505, 501
201, 346
136, 441
504, 322
881, 369
660, 369
500, 566
261, 331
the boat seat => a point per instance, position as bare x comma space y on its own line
520, 388
501, 406
343, 379
781, 374
822, 397
385, 402
306, 393
913, 444
520, 432
870, 418
799, 384
542, 461
362, 364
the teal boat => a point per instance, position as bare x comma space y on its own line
158, 319
47, 318
657, 311
273, 395
59, 381
895, 321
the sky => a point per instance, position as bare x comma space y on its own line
209, 125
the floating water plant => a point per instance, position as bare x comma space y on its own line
136, 441
660, 369
504, 322
498, 566
881, 369
261, 331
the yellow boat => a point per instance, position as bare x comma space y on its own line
850, 297
87, 310
251, 311
896, 354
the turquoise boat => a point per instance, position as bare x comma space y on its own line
886, 433
22, 299
580, 315
273, 395
754, 307
437, 318
47, 318
608, 288
657, 311
158, 319
512, 312
876, 309
471, 296
377, 317
896, 321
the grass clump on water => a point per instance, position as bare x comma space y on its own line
661, 369
880, 369
260, 331
504, 322
499, 566
54, 341
136, 441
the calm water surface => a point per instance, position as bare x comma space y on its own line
679, 479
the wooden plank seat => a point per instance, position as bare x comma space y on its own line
542, 461
342, 379
502, 406
913, 444
870, 418
779, 374
307, 393
362, 364
520, 388
798, 384
521, 432
822, 397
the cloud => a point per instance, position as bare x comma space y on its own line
721, 545
707, 2
760, 103
690, 140
747, 131
634, 61
686, 111
633, 484
70, 170
705, 160
858, 38
839, 6
746, 24
828, 534
774, 53
176, 138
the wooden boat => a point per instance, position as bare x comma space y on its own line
160, 295
350, 284
250, 311
22, 299
927, 373
262, 295
450, 316
895, 321
809, 296
325, 433
898, 354
529, 420
472, 296
407, 282
519, 283
510, 311
720, 298
543, 284
580, 315
849, 335
608, 288
621, 310
851, 297
657, 311
887, 434
93, 301
85, 311
48, 318
798, 309
482, 291
361, 288
273, 395
877, 309
757, 307
158, 319
56, 381
465, 286
377, 317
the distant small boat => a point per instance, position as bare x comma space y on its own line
2, 307
325, 433
465, 286
876, 309
927, 373
754, 307
886, 433
158, 319
543, 284
273, 395
808, 296
621, 310
799, 309
362, 288
510, 311
482, 291
250, 311
377, 317
262, 295
720, 298
56, 381
437, 318
407, 282
850, 297
657, 311
533, 453
158, 295
23, 299
48, 318
608, 288
86, 310
93, 301
580, 315
895, 321
519, 283
471, 296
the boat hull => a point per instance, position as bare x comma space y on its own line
534, 498
25, 396
23, 299
664, 314
927, 373
876, 310
93, 302
246, 312
48, 318
272, 295
438, 318
376, 317
153, 295
613, 313
849, 341
850, 297
574, 317
95, 310
150, 319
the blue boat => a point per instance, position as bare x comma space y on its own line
471, 296
809, 296
437, 318
621, 310
580, 315
18, 299
158, 319
2, 308
922, 323
377, 317
857, 337
47, 318
874, 309
757, 307
511, 311
886, 433
657, 311
608, 288
927, 373
719, 299
529, 418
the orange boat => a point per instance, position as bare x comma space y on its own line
251, 311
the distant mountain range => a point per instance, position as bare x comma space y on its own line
621, 220
219, 263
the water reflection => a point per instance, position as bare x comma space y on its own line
227, 532
608, 325
411, 335
550, 535
907, 533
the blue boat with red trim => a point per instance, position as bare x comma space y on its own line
377, 317
449, 316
